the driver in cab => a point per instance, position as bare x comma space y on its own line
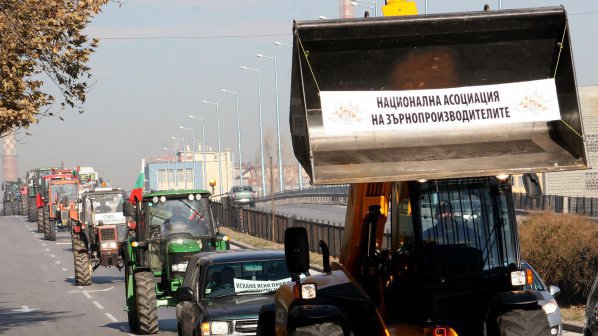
177, 218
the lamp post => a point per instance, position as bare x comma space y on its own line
192, 153
299, 169
238, 134
203, 149
219, 151
280, 168
373, 3
357, 4
259, 98
176, 166
183, 161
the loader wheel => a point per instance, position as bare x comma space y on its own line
147, 305
523, 322
82, 263
328, 329
131, 306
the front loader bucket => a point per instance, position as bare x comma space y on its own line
435, 96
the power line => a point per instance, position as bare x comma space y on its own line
188, 37
581, 13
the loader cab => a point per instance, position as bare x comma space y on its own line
453, 247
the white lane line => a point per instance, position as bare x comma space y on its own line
112, 318
57, 262
63, 243
98, 304
43, 244
64, 269
86, 295
53, 256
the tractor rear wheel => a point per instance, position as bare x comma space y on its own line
53, 230
40, 220
46, 225
24, 206
131, 304
82, 263
8, 210
521, 322
31, 210
147, 305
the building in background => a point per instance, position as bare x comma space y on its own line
580, 182
176, 172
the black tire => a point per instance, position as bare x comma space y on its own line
132, 309
40, 220
81, 262
147, 305
327, 328
53, 230
31, 210
8, 210
521, 322
46, 225
24, 206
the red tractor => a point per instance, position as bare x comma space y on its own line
59, 197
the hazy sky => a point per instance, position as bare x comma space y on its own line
158, 60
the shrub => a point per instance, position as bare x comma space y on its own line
563, 248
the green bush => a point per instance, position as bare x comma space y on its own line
563, 248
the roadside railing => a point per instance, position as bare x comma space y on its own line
264, 224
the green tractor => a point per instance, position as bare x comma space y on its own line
171, 227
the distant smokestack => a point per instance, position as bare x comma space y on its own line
9, 157
346, 9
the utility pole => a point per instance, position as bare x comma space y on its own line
272, 198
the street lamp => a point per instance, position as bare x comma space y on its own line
277, 120
176, 166
373, 3
219, 151
192, 153
203, 149
259, 98
183, 161
299, 169
238, 134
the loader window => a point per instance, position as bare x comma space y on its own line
470, 230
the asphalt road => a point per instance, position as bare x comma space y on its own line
39, 296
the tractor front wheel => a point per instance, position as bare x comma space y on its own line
46, 225
81, 260
40, 220
147, 305
8, 209
521, 322
53, 230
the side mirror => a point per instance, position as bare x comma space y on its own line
184, 294
296, 250
128, 209
531, 183
553, 290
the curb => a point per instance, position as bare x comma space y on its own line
573, 326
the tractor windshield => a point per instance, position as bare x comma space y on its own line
60, 191
180, 216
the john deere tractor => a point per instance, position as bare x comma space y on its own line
171, 227
99, 230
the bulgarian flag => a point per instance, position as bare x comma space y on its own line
137, 192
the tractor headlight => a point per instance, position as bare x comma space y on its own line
179, 267
108, 245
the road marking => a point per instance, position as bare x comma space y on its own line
64, 269
57, 262
51, 255
43, 244
47, 250
112, 318
63, 243
87, 295
99, 290
98, 304
25, 309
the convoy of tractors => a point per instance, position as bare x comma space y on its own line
432, 157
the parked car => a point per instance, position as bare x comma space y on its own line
242, 195
223, 291
591, 325
546, 299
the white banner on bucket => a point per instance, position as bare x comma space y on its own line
357, 111
242, 285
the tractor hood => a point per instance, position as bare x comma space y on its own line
182, 245
435, 96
